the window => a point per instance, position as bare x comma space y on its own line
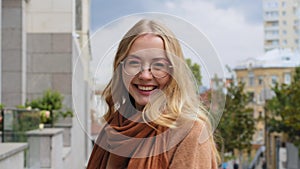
251, 96
275, 42
283, 13
283, 4
284, 32
287, 78
284, 22
260, 114
242, 79
274, 80
260, 80
284, 42
275, 23
251, 78
261, 97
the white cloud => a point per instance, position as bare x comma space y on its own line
235, 39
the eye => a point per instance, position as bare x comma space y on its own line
133, 63
159, 65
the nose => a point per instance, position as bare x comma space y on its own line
145, 74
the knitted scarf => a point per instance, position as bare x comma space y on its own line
130, 143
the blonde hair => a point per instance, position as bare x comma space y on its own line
179, 98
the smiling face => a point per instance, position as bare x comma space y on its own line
147, 51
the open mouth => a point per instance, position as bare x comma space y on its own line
146, 88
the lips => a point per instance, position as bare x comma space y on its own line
146, 88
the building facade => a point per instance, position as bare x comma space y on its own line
44, 46
281, 24
260, 75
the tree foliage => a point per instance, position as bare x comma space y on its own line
284, 109
195, 68
237, 124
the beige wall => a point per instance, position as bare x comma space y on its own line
261, 91
50, 16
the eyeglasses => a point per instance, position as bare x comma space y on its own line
158, 69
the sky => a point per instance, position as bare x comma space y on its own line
234, 27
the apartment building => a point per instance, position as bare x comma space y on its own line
260, 74
42, 47
281, 24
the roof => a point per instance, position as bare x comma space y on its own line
276, 58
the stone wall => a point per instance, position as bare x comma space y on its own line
13, 52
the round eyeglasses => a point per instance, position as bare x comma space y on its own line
159, 69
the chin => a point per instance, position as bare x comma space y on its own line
141, 102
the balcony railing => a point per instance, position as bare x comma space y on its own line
271, 18
271, 37
16, 122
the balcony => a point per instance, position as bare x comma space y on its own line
268, 47
272, 37
271, 28
271, 18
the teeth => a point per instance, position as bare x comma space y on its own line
146, 88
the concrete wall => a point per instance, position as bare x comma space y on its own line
13, 52
12, 155
81, 126
1, 50
46, 16
39, 53
49, 29
49, 64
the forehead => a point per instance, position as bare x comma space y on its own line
147, 41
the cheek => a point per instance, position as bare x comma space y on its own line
127, 80
164, 81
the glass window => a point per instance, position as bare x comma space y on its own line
251, 96
284, 32
284, 22
284, 42
283, 4
275, 23
260, 80
287, 78
251, 78
283, 13
274, 80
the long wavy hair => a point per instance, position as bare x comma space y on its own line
178, 99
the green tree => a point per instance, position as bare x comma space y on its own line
283, 109
195, 68
237, 124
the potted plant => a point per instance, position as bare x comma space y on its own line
65, 117
44, 118
51, 101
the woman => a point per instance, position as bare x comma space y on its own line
154, 118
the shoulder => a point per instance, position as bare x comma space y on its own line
199, 143
196, 135
199, 132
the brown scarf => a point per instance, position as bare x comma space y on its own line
131, 144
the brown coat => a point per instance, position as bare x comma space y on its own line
186, 148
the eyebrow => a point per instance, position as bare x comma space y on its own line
154, 59
134, 56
